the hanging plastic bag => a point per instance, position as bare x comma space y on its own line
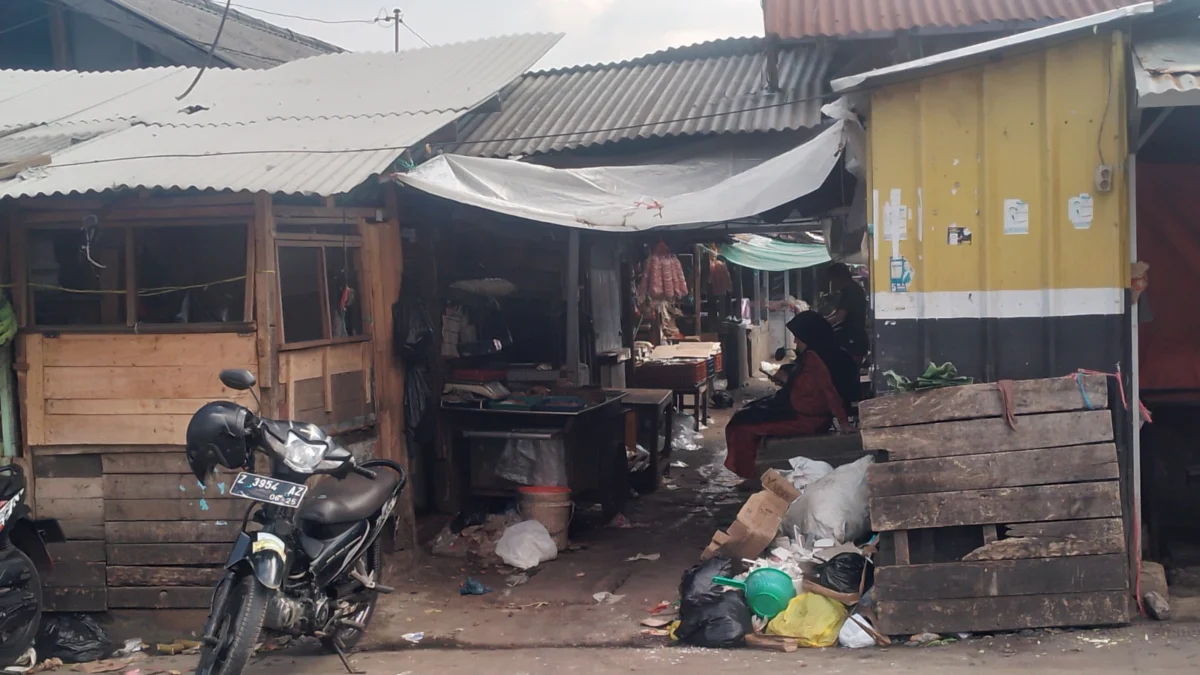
852, 635
814, 620
534, 462
844, 573
526, 545
709, 614
74, 638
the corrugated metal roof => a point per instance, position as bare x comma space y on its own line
246, 42
793, 19
710, 88
1167, 71
959, 58
320, 125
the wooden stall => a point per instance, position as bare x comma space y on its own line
129, 306
1004, 510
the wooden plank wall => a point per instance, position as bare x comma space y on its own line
992, 527
81, 389
330, 386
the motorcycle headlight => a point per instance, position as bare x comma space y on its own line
300, 455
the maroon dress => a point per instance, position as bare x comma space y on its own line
810, 405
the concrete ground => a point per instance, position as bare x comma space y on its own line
553, 624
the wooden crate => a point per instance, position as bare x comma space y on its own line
69, 488
997, 528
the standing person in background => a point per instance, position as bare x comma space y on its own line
850, 318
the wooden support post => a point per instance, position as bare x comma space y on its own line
383, 269
19, 257
265, 289
571, 290
900, 537
697, 291
131, 297
251, 254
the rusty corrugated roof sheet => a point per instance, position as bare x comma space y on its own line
709, 88
794, 19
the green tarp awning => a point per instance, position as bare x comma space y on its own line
770, 255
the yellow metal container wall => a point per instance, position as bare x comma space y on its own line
992, 246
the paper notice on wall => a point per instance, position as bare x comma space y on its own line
895, 218
1016, 216
1080, 211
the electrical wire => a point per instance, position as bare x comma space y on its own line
307, 18
22, 25
211, 48
414, 32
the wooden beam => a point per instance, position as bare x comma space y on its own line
1061, 539
946, 581
60, 44
571, 293
251, 257
971, 615
1004, 505
151, 217
266, 283
973, 437
131, 296
18, 259
1018, 468
983, 400
342, 214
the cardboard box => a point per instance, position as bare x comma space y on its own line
774, 482
756, 526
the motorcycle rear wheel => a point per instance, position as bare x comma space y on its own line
239, 622
348, 638
14, 644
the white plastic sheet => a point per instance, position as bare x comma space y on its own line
632, 198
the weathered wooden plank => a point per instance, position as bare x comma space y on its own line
983, 400
85, 529
1002, 505
174, 509
167, 554
68, 488
178, 406
116, 429
76, 574
1089, 538
66, 466
96, 382
943, 581
977, 615
213, 351
172, 532
900, 538
180, 597
164, 486
1069, 529
71, 509
1018, 468
974, 437
147, 462
76, 551
164, 576
69, 599
308, 364
32, 379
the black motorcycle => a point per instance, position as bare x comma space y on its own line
23, 561
307, 561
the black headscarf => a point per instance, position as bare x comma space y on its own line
814, 331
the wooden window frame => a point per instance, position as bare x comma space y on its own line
320, 242
246, 325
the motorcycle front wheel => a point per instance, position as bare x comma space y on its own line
18, 633
238, 612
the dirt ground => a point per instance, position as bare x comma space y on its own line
553, 623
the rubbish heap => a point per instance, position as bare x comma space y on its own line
789, 572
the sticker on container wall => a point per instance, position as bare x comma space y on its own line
1016, 216
901, 273
895, 218
956, 235
1080, 211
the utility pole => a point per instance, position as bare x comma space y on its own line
395, 19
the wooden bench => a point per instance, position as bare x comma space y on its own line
837, 449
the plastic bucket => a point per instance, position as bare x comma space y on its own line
550, 506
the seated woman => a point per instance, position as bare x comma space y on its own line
820, 386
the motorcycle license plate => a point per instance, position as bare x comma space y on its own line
268, 490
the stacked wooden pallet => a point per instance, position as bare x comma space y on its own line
998, 527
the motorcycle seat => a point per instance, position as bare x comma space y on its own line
353, 498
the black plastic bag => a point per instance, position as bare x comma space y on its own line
709, 614
74, 638
844, 572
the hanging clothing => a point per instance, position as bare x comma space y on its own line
806, 405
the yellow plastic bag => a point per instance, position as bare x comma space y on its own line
814, 620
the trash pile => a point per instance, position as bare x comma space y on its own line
794, 569
77, 643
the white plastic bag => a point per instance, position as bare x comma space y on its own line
834, 507
852, 634
526, 545
683, 433
534, 462
806, 471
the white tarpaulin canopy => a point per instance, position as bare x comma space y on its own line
632, 198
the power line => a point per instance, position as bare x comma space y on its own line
410, 29
308, 18
22, 24
211, 48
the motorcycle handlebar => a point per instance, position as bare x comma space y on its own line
363, 471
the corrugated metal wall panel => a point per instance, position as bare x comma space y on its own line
952, 151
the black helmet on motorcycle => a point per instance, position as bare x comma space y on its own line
217, 436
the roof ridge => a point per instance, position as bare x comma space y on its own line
698, 51
262, 25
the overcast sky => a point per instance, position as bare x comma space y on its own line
596, 30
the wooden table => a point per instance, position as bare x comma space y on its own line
699, 394
655, 410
